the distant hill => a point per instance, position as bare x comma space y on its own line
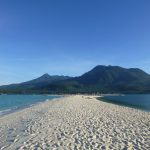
115, 79
101, 79
105, 79
32, 84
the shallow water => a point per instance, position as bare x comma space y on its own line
139, 101
10, 103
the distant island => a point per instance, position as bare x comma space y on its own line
101, 79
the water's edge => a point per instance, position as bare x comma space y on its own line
124, 104
16, 109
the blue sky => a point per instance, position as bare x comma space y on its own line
69, 37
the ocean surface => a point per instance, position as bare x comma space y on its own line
10, 103
139, 101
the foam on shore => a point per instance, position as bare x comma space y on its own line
75, 122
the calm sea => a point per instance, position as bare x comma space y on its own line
139, 101
10, 103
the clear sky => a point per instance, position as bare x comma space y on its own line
69, 37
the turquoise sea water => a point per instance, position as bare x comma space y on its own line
139, 101
9, 103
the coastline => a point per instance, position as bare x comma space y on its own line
135, 101
75, 122
123, 104
7, 111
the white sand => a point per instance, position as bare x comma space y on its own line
75, 122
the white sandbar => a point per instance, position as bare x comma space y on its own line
75, 122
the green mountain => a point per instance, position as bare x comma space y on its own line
101, 79
116, 79
32, 84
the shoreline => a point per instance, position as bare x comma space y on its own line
136, 101
75, 122
123, 104
19, 108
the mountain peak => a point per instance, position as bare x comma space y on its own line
106, 66
46, 75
